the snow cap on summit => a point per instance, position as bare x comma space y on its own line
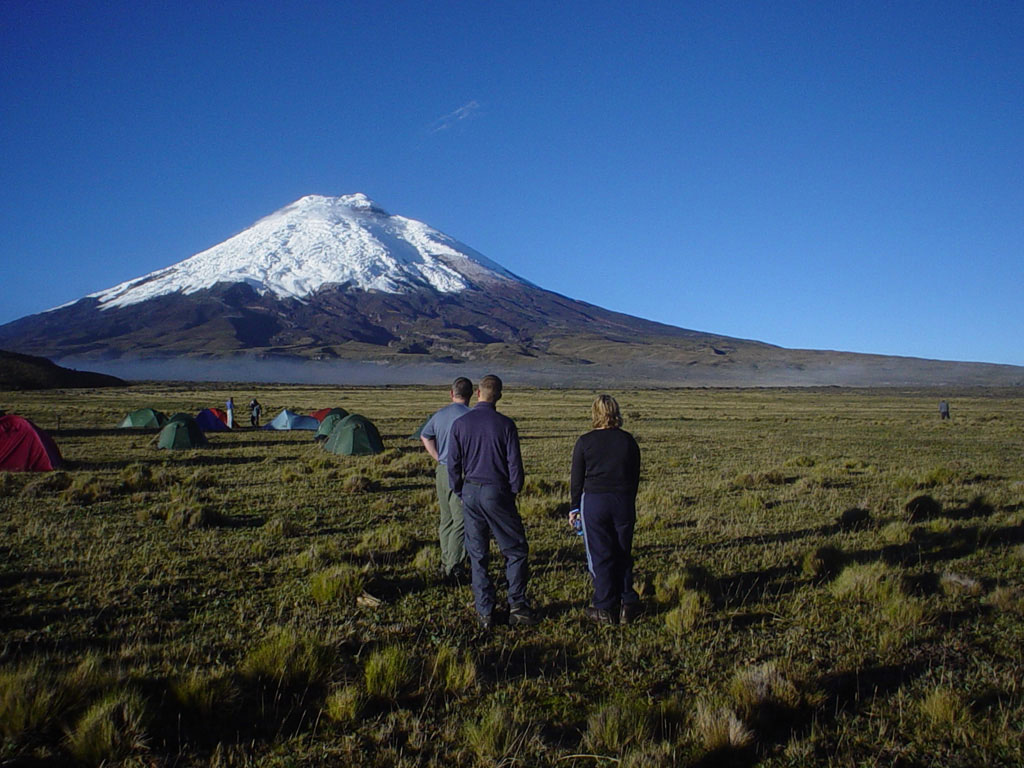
318, 241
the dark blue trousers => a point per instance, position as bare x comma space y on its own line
490, 510
608, 522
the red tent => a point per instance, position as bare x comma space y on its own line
24, 447
321, 414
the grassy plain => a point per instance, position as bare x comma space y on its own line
831, 577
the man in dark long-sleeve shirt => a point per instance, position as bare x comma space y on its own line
485, 469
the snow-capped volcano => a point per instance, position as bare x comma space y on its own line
318, 241
338, 278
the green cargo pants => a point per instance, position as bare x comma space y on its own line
450, 529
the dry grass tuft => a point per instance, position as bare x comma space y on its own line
617, 726
345, 704
111, 729
288, 658
693, 607
455, 673
823, 562
388, 672
719, 729
921, 508
959, 584
338, 584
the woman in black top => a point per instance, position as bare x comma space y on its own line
605, 477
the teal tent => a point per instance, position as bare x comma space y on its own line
354, 435
144, 418
290, 420
181, 435
332, 418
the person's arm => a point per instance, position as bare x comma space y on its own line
455, 461
516, 473
576, 476
431, 445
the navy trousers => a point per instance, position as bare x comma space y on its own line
608, 522
490, 510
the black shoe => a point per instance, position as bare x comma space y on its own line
600, 616
485, 622
522, 616
630, 612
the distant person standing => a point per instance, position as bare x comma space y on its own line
231, 412
255, 409
604, 481
485, 469
943, 410
435, 438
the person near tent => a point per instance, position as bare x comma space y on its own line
230, 407
255, 409
602, 490
485, 469
943, 410
434, 437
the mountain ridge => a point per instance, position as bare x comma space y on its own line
341, 279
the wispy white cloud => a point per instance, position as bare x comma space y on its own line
464, 112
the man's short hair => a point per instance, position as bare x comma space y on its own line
490, 388
462, 388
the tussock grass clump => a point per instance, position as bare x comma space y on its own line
693, 607
719, 729
854, 519
111, 729
1009, 599
388, 672
455, 673
318, 556
359, 483
345, 704
759, 479
383, 540
959, 584
50, 482
139, 478
867, 582
542, 486
415, 464
670, 585
287, 658
496, 737
765, 694
898, 532
87, 489
921, 508
426, 560
618, 725
204, 693
30, 698
823, 562
945, 710
192, 517
282, 528
339, 584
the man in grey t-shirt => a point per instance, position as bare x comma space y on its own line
434, 436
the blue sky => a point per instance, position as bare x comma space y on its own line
828, 175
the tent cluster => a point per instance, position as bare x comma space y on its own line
24, 447
341, 432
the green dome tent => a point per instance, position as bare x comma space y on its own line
181, 435
333, 417
182, 417
354, 435
143, 418
419, 430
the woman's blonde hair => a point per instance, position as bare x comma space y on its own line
605, 412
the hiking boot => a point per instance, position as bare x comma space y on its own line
522, 616
485, 622
600, 616
630, 612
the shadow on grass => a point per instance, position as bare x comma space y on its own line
532, 658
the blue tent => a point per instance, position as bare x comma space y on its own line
289, 420
209, 421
